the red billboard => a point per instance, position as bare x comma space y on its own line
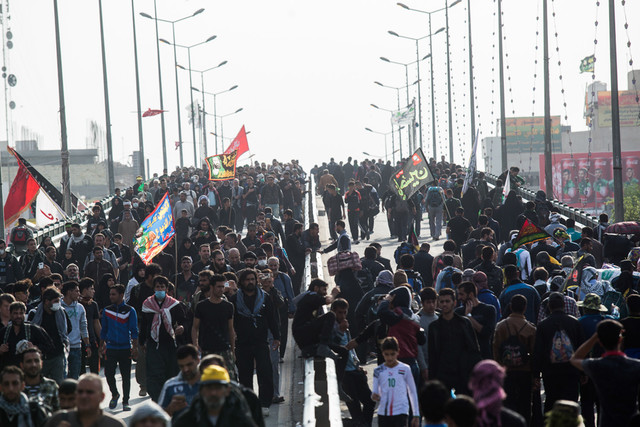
584, 181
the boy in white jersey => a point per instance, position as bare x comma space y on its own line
394, 388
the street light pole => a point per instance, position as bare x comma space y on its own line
107, 113
164, 136
64, 150
503, 119
204, 118
175, 69
193, 114
618, 193
471, 90
450, 114
433, 103
548, 172
135, 57
419, 98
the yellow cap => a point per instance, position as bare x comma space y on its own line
214, 374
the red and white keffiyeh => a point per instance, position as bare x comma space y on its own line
150, 305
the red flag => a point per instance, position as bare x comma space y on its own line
23, 191
178, 144
239, 144
151, 112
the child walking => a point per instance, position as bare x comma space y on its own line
394, 388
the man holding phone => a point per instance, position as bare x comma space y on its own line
213, 330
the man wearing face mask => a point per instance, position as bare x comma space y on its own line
10, 270
54, 320
162, 320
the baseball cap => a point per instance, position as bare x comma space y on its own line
214, 374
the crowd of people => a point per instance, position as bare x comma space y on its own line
492, 330
488, 332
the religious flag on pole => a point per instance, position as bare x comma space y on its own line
151, 113
529, 233
506, 188
155, 231
47, 211
471, 170
239, 144
23, 191
405, 115
587, 64
222, 166
414, 174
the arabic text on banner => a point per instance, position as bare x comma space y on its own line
222, 166
155, 231
414, 174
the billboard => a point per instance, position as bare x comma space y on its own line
526, 134
629, 109
584, 181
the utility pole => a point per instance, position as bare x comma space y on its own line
164, 136
471, 91
64, 150
135, 57
548, 171
449, 118
433, 102
618, 194
503, 120
107, 113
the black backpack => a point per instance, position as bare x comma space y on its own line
514, 353
366, 279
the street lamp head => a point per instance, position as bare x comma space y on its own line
238, 110
385, 59
222, 63
368, 129
439, 30
375, 106
195, 88
210, 38
180, 66
378, 83
146, 15
455, 3
198, 12
393, 33
365, 153
404, 6
164, 41
233, 87
428, 55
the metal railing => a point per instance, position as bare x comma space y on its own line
579, 216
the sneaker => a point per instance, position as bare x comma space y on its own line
265, 412
114, 401
278, 399
282, 360
356, 242
143, 392
126, 407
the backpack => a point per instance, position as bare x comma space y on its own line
404, 248
434, 198
20, 235
514, 353
517, 252
561, 347
447, 278
619, 300
365, 277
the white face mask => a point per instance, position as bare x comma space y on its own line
56, 306
2, 251
135, 205
262, 262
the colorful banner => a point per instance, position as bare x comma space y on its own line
414, 174
222, 166
629, 109
239, 144
586, 181
155, 231
529, 233
587, 64
405, 115
527, 133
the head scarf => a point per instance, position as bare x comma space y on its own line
385, 277
486, 384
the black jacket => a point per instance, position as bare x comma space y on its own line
178, 317
247, 333
545, 333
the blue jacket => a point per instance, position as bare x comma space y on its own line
119, 326
282, 282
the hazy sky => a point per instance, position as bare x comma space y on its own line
305, 70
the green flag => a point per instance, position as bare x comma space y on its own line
587, 64
222, 166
